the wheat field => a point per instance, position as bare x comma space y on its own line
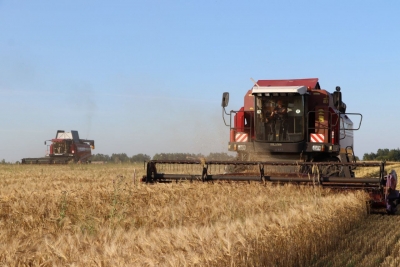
102, 215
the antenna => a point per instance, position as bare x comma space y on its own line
255, 83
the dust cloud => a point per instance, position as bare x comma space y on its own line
192, 127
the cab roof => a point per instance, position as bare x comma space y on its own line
311, 83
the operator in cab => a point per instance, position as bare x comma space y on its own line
280, 118
269, 120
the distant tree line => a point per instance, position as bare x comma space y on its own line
120, 158
124, 158
384, 154
189, 156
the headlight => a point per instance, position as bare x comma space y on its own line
317, 148
241, 147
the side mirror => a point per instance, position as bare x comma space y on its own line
225, 99
337, 98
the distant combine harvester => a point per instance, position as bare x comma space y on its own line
65, 148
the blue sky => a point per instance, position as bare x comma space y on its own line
147, 76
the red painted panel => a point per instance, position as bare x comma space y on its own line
309, 82
335, 126
239, 120
249, 101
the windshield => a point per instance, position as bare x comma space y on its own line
279, 118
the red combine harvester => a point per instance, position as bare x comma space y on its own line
291, 131
65, 148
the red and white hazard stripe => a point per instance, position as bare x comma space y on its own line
317, 138
241, 137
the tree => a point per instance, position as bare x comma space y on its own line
100, 157
177, 156
219, 156
383, 154
140, 158
120, 158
